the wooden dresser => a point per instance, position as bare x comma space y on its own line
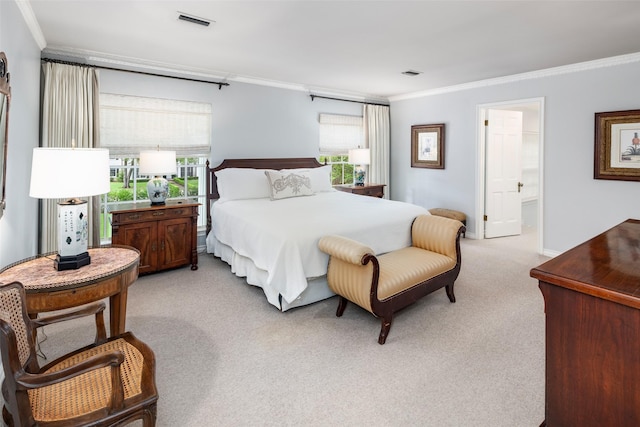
592, 311
165, 235
373, 190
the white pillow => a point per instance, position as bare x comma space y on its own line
286, 184
242, 183
320, 177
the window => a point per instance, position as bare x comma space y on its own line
130, 124
339, 134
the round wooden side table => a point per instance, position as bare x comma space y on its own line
112, 270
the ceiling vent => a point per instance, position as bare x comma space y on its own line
411, 73
193, 19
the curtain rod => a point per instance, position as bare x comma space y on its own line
346, 100
58, 61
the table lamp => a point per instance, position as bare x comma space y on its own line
360, 157
69, 173
156, 163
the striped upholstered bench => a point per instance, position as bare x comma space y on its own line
384, 284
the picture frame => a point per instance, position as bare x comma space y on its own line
5, 101
617, 145
427, 146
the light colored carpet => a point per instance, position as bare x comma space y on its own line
225, 357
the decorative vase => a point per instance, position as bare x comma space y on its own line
157, 189
359, 175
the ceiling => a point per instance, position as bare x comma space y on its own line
357, 48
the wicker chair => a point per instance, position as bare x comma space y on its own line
110, 382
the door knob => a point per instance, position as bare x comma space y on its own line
520, 185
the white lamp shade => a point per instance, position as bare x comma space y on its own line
359, 156
65, 173
155, 162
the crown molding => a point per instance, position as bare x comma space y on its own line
126, 63
88, 57
32, 22
555, 71
308, 89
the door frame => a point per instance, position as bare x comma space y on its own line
481, 164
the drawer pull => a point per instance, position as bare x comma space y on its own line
178, 212
160, 213
134, 216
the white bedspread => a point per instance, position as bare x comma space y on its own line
281, 237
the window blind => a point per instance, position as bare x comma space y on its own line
129, 124
340, 133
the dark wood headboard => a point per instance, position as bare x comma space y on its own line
275, 163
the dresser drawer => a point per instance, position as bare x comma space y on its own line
144, 215
371, 191
131, 217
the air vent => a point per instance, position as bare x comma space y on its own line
411, 73
193, 19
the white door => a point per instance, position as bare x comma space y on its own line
503, 204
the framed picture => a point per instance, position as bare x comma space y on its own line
5, 97
427, 146
617, 145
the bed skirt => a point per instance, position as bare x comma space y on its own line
316, 288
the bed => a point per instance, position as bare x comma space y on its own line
266, 216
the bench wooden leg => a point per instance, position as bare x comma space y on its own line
449, 289
384, 331
341, 306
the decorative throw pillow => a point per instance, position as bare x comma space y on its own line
320, 177
288, 184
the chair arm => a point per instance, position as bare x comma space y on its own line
111, 358
345, 249
436, 234
353, 269
87, 310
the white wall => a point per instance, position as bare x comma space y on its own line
258, 121
18, 226
576, 207
248, 120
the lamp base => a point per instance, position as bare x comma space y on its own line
359, 176
72, 262
73, 234
158, 190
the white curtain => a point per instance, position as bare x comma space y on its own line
377, 136
69, 112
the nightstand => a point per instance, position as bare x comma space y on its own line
165, 235
373, 190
